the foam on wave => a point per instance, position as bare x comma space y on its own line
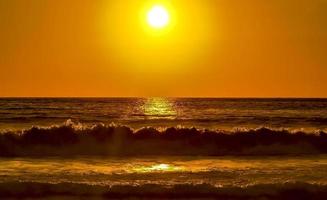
270, 191
72, 139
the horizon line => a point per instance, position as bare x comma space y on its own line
177, 97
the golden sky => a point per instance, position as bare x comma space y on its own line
211, 48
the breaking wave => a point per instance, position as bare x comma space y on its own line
74, 190
72, 139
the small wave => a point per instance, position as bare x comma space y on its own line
276, 191
76, 139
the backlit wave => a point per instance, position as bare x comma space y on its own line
72, 139
62, 190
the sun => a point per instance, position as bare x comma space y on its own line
158, 17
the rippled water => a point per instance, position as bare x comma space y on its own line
77, 175
216, 171
310, 114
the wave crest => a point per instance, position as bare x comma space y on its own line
277, 191
75, 139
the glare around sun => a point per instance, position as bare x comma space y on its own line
158, 17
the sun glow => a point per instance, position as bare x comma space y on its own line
158, 17
158, 168
159, 108
156, 40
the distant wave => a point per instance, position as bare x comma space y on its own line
75, 139
273, 191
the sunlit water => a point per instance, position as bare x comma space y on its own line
168, 171
221, 172
307, 114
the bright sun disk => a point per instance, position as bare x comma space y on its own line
158, 17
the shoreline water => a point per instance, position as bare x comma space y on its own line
78, 191
165, 177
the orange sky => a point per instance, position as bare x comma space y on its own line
214, 48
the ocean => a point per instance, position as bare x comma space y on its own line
293, 114
163, 148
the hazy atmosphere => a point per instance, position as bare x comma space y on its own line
223, 48
163, 99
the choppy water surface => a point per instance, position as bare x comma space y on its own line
168, 171
78, 131
309, 114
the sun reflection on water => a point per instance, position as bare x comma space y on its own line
159, 108
158, 168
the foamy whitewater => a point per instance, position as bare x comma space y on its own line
163, 148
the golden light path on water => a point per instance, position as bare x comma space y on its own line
159, 108
222, 171
158, 168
